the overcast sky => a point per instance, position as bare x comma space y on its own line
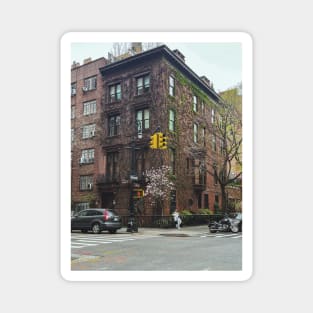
219, 62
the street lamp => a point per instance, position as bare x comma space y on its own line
132, 223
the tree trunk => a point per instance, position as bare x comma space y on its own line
224, 198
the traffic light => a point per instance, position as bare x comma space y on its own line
153, 142
162, 141
138, 193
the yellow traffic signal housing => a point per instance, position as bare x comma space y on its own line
153, 142
162, 141
138, 193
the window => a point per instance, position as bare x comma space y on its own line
72, 112
140, 163
90, 107
212, 116
172, 161
89, 131
195, 133
86, 182
112, 166
195, 103
171, 123
203, 107
143, 84
172, 86
142, 120
73, 89
114, 125
88, 156
214, 142
115, 92
215, 174
216, 199
206, 201
72, 134
203, 136
90, 83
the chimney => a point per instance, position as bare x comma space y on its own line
179, 54
136, 47
75, 64
87, 60
206, 81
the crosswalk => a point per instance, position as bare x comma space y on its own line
81, 241
222, 235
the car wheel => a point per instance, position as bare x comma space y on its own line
112, 231
96, 228
234, 228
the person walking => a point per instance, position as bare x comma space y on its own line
177, 219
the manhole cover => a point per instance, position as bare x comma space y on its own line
175, 235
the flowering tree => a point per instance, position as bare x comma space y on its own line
159, 185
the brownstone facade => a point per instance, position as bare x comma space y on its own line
134, 97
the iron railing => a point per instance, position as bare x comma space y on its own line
167, 221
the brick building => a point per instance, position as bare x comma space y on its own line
116, 107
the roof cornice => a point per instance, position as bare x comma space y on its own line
172, 58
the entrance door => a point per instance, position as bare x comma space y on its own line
107, 200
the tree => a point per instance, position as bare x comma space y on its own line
222, 159
159, 185
227, 129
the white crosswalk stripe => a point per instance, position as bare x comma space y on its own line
81, 241
220, 235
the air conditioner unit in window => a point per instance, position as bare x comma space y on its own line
92, 133
85, 89
82, 160
89, 186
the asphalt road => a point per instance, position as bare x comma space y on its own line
157, 251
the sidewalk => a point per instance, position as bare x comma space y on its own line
186, 230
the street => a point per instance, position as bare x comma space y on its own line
191, 248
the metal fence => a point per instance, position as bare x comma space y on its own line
167, 221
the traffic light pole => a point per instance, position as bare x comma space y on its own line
132, 223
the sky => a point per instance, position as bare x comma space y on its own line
221, 63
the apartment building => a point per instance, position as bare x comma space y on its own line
117, 105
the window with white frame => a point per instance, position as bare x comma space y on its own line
172, 86
171, 120
195, 103
212, 116
86, 182
90, 83
73, 89
89, 131
214, 142
72, 112
87, 156
203, 136
195, 132
142, 120
115, 92
172, 161
90, 107
143, 84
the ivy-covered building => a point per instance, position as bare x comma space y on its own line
131, 99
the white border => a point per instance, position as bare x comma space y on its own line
65, 158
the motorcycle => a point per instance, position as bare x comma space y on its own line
227, 224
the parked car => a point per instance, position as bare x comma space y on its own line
230, 222
96, 220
